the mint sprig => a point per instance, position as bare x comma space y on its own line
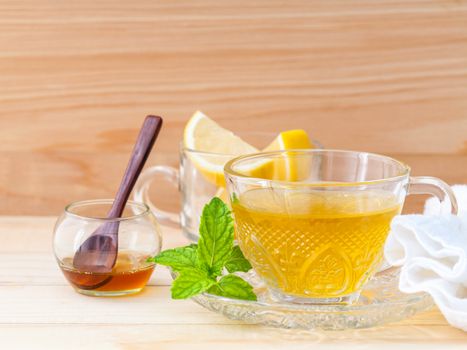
233, 286
191, 282
179, 258
216, 235
200, 267
237, 261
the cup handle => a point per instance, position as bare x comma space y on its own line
435, 187
141, 193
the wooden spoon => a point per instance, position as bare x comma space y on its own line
98, 253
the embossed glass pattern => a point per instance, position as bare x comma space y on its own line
313, 249
380, 302
314, 227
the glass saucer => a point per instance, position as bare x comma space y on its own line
380, 302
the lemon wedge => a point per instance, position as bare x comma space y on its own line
213, 146
217, 144
287, 167
291, 139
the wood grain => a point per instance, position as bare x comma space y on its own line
38, 309
78, 78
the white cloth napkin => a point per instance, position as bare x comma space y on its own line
432, 252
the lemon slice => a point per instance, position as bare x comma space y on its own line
218, 144
213, 146
291, 139
287, 167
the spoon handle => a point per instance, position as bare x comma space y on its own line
146, 138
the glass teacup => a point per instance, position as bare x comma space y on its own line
314, 224
195, 187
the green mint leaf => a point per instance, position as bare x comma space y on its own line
199, 266
178, 258
237, 261
191, 282
216, 237
233, 286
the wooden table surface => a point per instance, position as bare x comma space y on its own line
38, 309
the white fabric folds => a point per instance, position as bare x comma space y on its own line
432, 252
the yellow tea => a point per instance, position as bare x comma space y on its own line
314, 244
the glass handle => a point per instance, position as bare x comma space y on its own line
435, 187
141, 193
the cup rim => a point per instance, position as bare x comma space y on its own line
145, 210
230, 172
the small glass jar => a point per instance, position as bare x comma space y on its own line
139, 237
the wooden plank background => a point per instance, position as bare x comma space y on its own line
77, 77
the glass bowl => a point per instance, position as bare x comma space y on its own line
139, 237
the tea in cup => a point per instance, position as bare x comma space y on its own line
320, 238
